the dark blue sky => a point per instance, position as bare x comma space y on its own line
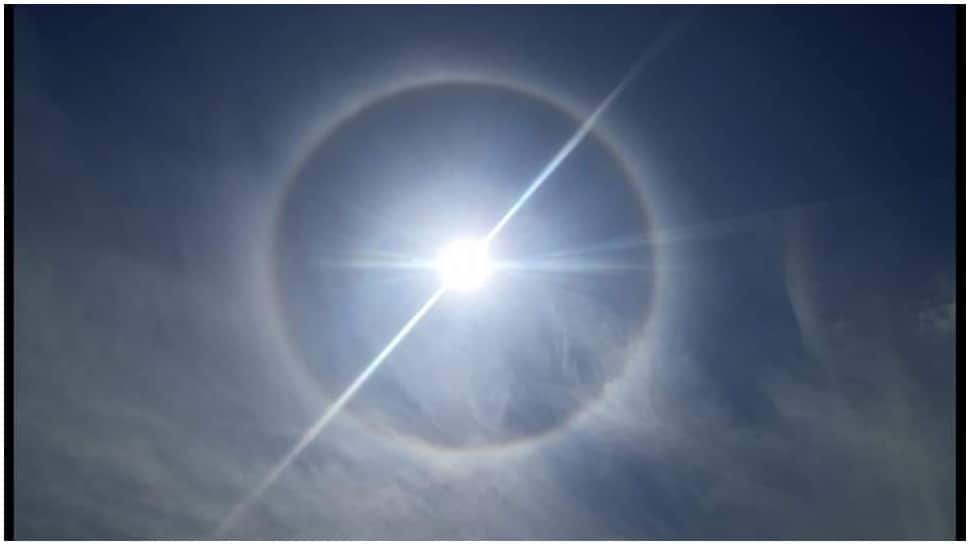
769, 353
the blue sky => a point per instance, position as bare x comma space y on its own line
733, 317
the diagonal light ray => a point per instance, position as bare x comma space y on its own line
313, 431
662, 41
310, 434
563, 152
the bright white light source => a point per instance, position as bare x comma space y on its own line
464, 265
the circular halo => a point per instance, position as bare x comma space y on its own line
319, 138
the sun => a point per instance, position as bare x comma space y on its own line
464, 265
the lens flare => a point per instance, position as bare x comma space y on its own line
463, 265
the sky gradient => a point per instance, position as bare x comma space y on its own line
728, 313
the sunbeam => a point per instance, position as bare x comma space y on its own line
313, 431
658, 46
339, 403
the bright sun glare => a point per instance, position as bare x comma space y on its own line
464, 265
